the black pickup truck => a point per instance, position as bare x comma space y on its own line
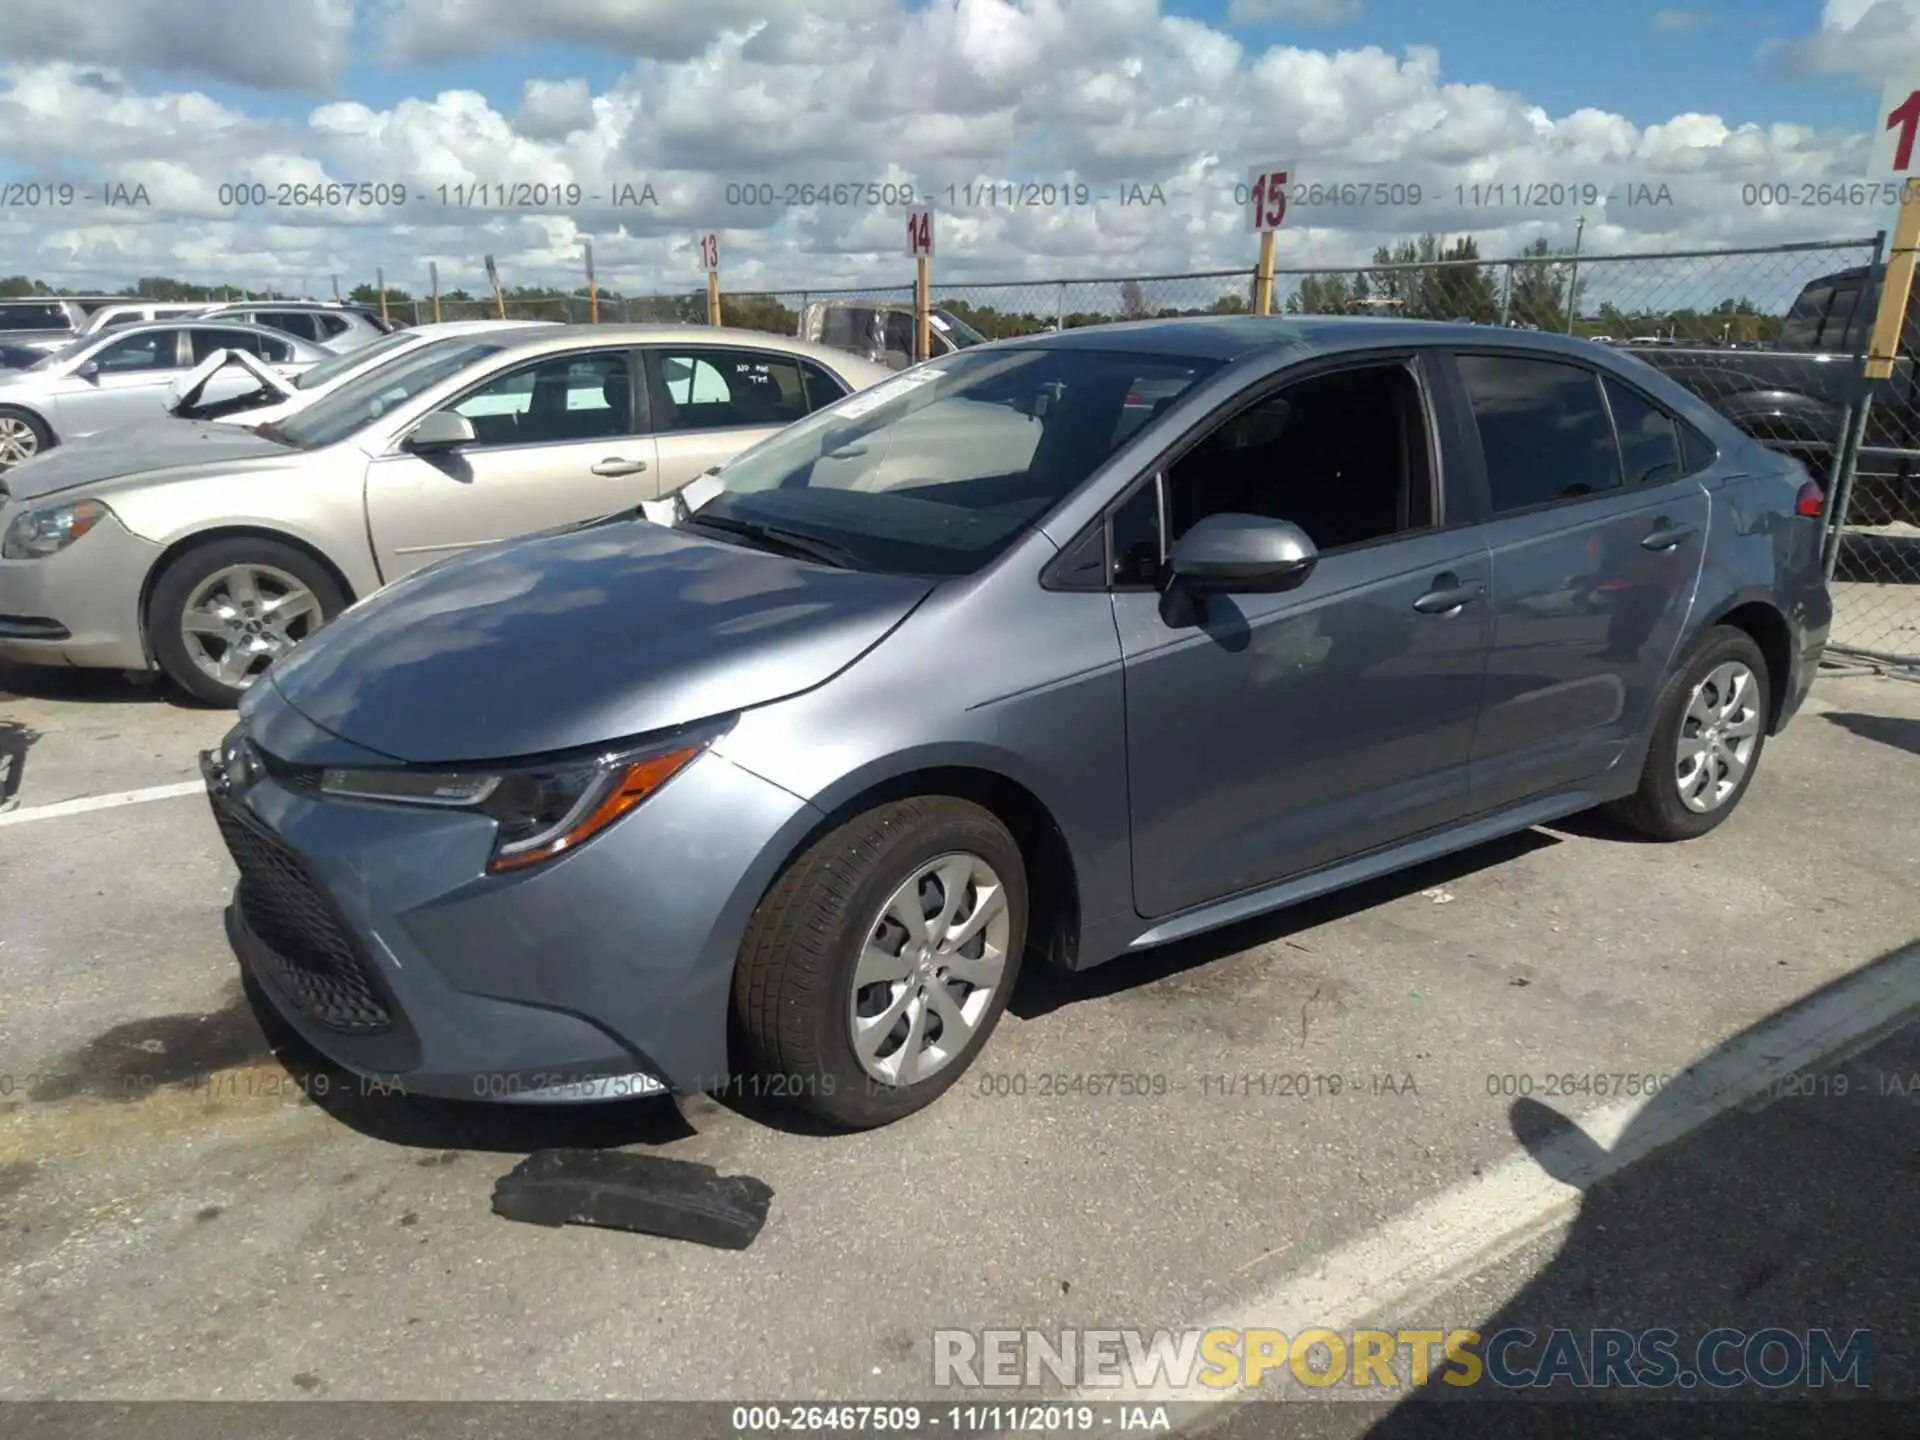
1792, 394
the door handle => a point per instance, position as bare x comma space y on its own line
1665, 537
616, 466
1447, 596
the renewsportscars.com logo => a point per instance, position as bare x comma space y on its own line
1367, 1363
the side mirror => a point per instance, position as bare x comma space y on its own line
89, 371
1247, 554
441, 430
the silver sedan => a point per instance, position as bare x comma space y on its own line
103, 381
206, 549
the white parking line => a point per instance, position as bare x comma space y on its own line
1382, 1277
102, 802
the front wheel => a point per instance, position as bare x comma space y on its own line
223, 612
23, 435
877, 965
1709, 728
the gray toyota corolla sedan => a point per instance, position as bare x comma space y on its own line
784, 778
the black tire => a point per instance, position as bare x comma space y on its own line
43, 440
793, 983
167, 605
1655, 808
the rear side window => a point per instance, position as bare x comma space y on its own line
1544, 430
822, 387
330, 325
715, 389
1819, 318
1649, 443
35, 317
1696, 451
294, 322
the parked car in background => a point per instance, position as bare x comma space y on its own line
1791, 394
792, 783
118, 376
881, 331
38, 324
333, 325
18, 357
206, 550
277, 396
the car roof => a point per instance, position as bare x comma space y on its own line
1238, 337
187, 322
562, 337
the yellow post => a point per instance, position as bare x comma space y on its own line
922, 309
380, 278
1263, 275
713, 297
593, 291
433, 275
1897, 287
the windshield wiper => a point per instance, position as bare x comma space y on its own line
774, 537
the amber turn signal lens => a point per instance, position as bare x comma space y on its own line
626, 788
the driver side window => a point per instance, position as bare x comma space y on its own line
1345, 456
156, 350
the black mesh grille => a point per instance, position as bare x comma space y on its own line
306, 952
304, 779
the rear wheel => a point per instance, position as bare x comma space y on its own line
874, 970
23, 435
224, 611
1709, 728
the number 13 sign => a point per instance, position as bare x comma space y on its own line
710, 252
1266, 196
920, 233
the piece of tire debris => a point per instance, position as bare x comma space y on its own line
646, 1193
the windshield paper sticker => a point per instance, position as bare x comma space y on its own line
871, 400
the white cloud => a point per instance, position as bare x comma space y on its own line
433, 31
1871, 39
296, 45
1091, 97
1293, 12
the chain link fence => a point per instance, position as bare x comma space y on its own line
1758, 333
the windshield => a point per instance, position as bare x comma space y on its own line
937, 471
360, 402
328, 371
963, 335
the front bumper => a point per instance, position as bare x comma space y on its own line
374, 931
79, 607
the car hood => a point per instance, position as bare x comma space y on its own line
145, 449
577, 637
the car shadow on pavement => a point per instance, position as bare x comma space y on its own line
1894, 730
90, 687
15, 740
1798, 1213
1044, 988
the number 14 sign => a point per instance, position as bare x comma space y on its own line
920, 233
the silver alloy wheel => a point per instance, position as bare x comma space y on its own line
18, 442
1718, 732
239, 619
927, 973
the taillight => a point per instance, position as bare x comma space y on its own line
1811, 501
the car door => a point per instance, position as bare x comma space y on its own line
711, 402
1596, 529
129, 381
1284, 732
557, 439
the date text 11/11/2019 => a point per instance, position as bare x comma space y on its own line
539, 195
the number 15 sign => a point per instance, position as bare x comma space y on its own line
1894, 134
1265, 196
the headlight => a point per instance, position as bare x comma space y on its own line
543, 809
36, 533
